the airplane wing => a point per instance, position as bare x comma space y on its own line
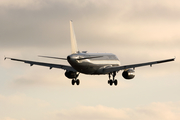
112, 69
50, 65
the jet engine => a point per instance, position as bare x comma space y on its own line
70, 74
128, 74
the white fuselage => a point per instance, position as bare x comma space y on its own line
95, 63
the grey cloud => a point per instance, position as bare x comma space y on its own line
117, 24
49, 25
152, 11
133, 30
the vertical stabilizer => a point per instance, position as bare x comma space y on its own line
73, 39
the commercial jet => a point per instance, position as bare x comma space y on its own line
91, 63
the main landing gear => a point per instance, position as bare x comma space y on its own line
111, 81
75, 80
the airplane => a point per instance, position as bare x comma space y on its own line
91, 63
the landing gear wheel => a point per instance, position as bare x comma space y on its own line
115, 82
73, 81
110, 82
77, 82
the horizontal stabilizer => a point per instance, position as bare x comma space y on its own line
52, 57
89, 57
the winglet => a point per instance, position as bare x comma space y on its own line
7, 58
74, 48
174, 57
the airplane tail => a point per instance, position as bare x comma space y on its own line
74, 48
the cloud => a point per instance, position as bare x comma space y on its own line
124, 22
90, 112
154, 111
22, 100
136, 31
8, 118
19, 106
32, 77
22, 4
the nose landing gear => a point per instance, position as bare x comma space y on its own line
111, 81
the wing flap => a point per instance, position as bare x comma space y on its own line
112, 69
50, 65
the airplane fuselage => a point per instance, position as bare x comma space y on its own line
95, 64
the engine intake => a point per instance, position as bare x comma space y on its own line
70, 74
128, 74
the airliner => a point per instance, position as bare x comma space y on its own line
91, 63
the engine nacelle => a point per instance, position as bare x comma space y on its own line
70, 74
128, 74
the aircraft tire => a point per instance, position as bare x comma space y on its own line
110, 82
115, 82
73, 81
77, 81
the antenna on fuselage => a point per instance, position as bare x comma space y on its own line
74, 48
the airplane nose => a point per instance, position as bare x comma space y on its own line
72, 57
68, 58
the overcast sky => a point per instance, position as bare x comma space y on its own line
136, 31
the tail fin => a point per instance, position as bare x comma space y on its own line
74, 48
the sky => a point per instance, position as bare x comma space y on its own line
136, 31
